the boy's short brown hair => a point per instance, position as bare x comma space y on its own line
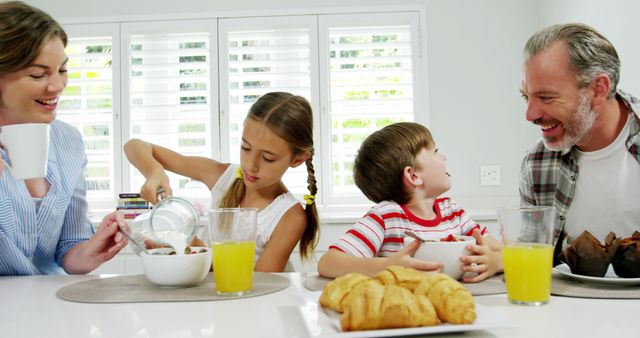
383, 156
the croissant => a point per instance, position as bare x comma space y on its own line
404, 277
452, 301
336, 290
356, 292
382, 307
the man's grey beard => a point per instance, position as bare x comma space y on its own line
580, 122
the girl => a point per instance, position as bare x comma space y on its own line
277, 135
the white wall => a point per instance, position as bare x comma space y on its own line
615, 19
477, 115
68, 9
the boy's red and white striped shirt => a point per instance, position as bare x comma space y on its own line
381, 231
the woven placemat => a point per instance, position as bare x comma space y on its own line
137, 289
490, 286
316, 282
566, 286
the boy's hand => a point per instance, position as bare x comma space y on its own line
405, 258
485, 258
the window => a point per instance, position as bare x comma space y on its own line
188, 84
369, 76
88, 103
169, 91
260, 56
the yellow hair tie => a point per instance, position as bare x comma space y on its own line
239, 173
309, 199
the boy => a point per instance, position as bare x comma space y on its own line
399, 168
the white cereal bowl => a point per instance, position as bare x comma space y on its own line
176, 271
447, 253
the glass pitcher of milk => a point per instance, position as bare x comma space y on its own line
173, 221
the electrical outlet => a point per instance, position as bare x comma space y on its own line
490, 175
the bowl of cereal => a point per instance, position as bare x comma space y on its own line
446, 250
163, 267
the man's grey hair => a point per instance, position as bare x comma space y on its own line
590, 53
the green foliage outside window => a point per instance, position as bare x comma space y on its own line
357, 95
99, 89
191, 128
69, 104
97, 144
384, 38
190, 45
383, 122
97, 171
193, 86
353, 138
356, 123
193, 59
72, 91
95, 130
191, 142
193, 72
193, 100
99, 103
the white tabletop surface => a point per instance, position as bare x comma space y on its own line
29, 308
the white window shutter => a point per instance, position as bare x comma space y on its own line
169, 90
188, 85
370, 64
88, 103
260, 56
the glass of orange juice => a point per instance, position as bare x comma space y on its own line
232, 233
527, 233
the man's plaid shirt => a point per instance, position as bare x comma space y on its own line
549, 177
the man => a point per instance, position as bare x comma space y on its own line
587, 164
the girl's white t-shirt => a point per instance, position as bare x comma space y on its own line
268, 217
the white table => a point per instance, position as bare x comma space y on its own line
29, 308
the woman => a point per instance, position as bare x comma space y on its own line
44, 226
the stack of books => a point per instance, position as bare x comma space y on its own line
132, 205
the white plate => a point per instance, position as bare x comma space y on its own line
609, 278
325, 323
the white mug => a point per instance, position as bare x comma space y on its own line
28, 148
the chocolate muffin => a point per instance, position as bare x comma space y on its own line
587, 256
626, 261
